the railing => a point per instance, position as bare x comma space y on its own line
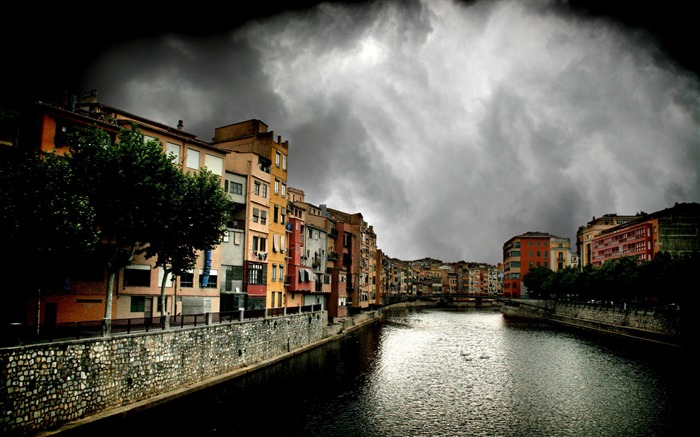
14, 334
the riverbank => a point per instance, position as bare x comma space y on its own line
177, 363
661, 328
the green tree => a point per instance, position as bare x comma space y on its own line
195, 221
129, 184
45, 223
538, 281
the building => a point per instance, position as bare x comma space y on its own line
586, 234
674, 230
136, 293
527, 251
256, 153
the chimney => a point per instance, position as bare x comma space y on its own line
90, 96
180, 125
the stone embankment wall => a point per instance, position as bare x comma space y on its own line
659, 327
44, 386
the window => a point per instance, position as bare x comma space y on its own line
284, 162
256, 188
278, 155
187, 279
137, 276
233, 273
168, 282
233, 187
237, 238
214, 164
264, 190
281, 273
173, 151
276, 214
284, 189
274, 272
263, 244
257, 274
256, 215
193, 159
263, 217
256, 243
138, 304
213, 276
277, 186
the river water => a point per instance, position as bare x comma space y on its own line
437, 372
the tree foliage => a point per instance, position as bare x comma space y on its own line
105, 201
661, 281
48, 226
197, 212
128, 183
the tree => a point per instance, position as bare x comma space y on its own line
537, 280
46, 223
196, 218
129, 184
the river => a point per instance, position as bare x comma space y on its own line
438, 372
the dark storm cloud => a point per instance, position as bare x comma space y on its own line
451, 126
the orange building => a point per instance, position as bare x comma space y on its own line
137, 289
523, 253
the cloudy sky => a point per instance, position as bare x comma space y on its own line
451, 126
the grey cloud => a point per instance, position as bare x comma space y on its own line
450, 126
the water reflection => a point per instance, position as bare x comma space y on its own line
443, 373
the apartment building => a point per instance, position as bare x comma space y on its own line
349, 245
233, 253
254, 151
137, 290
524, 252
586, 234
675, 230
299, 279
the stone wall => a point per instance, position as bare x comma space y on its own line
43, 386
659, 327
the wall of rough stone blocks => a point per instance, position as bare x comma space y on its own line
656, 326
45, 385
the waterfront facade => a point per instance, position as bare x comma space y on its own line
674, 230
586, 234
524, 252
136, 293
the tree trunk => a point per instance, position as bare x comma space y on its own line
107, 320
163, 314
